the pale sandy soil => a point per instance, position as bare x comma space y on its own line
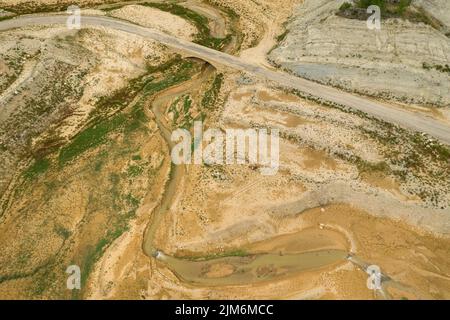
112, 47
272, 28
318, 200
258, 54
104, 61
217, 20
26, 74
228, 207
437, 8
258, 18
391, 250
117, 54
125, 255
301, 121
154, 18
47, 2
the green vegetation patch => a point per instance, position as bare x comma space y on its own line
89, 138
62, 232
181, 110
136, 157
200, 22
282, 36
113, 198
177, 71
124, 209
345, 6
117, 100
95, 252
389, 9
28, 7
210, 96
6, 17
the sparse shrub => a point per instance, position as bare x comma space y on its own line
37, 168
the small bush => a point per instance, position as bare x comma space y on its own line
37, 168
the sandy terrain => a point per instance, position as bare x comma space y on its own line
89, 184
272, 27
345, 53
106, 70
437, 8
222, 208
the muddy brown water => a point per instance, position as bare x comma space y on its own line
249, 269
231, 270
